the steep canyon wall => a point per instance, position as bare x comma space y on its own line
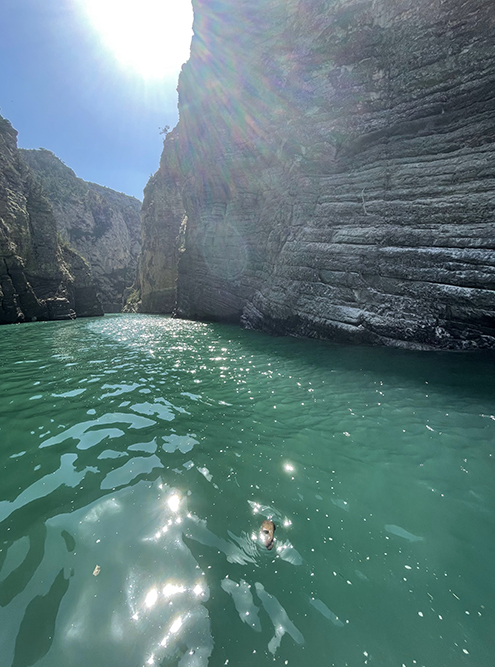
337, 169
163, 218
40, 277
102, 225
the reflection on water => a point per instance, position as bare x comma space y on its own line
140, 455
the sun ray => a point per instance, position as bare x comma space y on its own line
151, 37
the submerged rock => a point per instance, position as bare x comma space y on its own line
40, 278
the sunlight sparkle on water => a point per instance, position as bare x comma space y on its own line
176, 625
151, 598
151, 37
161, 472
172, 589
173, 502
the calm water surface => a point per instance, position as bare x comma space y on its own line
139, 455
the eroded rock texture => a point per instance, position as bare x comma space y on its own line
162, 219
40, 278
102, 225
338, 169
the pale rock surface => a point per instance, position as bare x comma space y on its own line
163, 219
40, 278
102, 225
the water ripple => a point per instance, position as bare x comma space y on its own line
140, 455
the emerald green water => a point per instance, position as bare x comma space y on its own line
139, 455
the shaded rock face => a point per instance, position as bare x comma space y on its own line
338, 170
100, 224
39, 278
162, 219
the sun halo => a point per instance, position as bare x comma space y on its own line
151, 37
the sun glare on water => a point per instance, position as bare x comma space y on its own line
151, 37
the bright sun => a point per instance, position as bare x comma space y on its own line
151, 37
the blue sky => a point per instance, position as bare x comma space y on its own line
64, 89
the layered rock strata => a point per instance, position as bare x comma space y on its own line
163, 219
102, 225
337, 169
40, 278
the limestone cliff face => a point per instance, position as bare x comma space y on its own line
338, 170
39, 277
162, 218
102, 225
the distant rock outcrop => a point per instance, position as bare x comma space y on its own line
337, 169
163, 217
40, 278
102, 225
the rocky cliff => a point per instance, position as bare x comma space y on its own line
102, 225
337, 169
40, 278
163, 218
